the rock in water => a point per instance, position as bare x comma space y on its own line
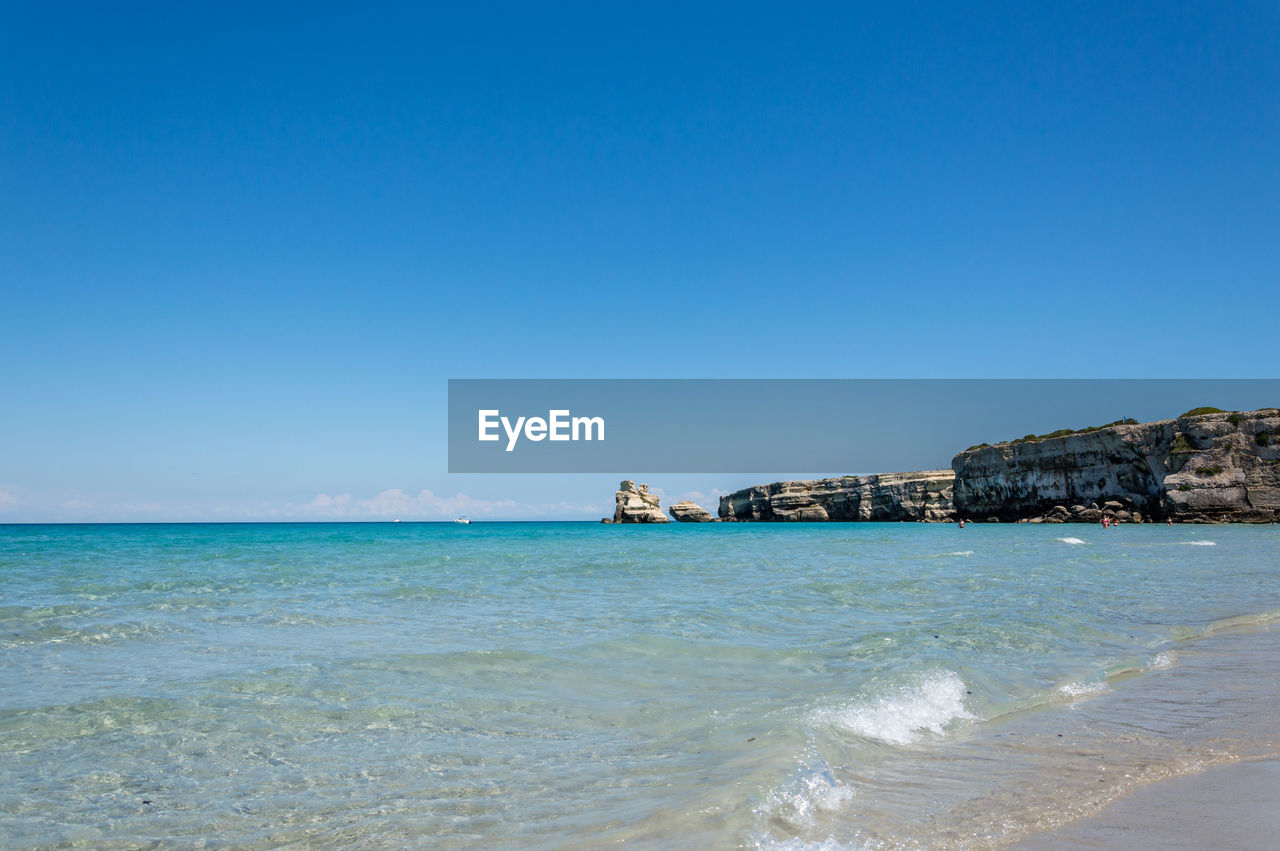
636, 505
687, 511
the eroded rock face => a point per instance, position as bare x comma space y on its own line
687, 511
922, 495
1208, 468
634, 504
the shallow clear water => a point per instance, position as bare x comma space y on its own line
572, 685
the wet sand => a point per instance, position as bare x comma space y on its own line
1228, 806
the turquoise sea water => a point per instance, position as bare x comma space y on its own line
577, 685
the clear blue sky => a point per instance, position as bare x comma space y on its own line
244, 248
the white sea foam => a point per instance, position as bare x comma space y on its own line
904, 715
1078, 690
796, 844
1075, 691
1200, 543
812, 791
1069, 540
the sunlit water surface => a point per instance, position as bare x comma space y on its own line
576, 685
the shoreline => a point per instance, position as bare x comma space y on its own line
1225, 806
1179, 735
1219, 745
862, 699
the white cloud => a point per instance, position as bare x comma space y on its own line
390, 504
148, 508
397, 503
400, 503
695, 496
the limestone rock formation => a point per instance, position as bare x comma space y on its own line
634, 504
687, 511
1200, 467
922, 495
1217, 467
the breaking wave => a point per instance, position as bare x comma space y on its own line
813, 790
903, 716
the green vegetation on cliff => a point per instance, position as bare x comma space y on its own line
1064, 432
1181, 444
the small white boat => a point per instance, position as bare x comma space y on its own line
462, 518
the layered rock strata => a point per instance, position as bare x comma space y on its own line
1217, 467
634, 504
925, 496
1197, 468
687, 511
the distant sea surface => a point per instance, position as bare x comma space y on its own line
566, 685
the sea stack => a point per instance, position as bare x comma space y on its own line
634, 504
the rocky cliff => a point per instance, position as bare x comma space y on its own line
889, 496
634, 504
1198, 468
1202, 468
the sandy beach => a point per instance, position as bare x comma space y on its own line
1228, 704
1228, 806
